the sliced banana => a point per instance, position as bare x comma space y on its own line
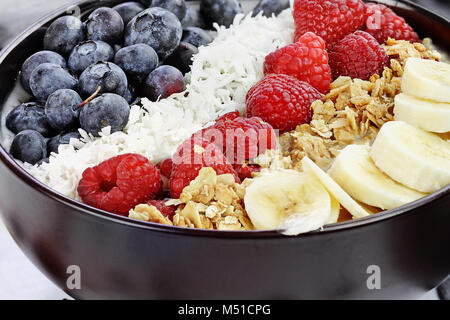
289, 200
335, 210
337, 192
355, 172
427, 79
425, 114
417, 159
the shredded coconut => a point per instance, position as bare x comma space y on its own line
220, 77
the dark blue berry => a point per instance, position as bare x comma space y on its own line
87, 53
137, 60
162, 82
107, 110
106, 75
192, 18
45, 160
177, 7
34, 61
62, 109
270, 7
128, 10
158, 28
130, 96
29, 146
64, 34
196, 36
181, 58
105, 24
220, 11
29, 116
146, 3
62, 138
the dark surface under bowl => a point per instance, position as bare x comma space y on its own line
122, 258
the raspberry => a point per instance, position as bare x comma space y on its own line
193, 155
167, 211
229, 116
166, 167
330, 19
358, 55
120, 183
245, 171
282, 101
382, 23
306, 60
240, 138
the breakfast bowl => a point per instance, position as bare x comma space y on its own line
399, 253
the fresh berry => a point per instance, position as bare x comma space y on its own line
229, 116
64, 34
177, 7
62, 138
282, 101
241, 139
137, 61
330, 19
245, 171
106, 110
270, 7
163, 82
306, 60
181, 58
358, 55
47, 78
166, 167
105, 24
221, 12
128, 10
34, 61
192, 18
193, 155
196, 36
167, 211
29, 116
29, 146
382, 23
87, 53
106, 75
158, 28
120, 183
62, 109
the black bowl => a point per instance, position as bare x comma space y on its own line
122, 258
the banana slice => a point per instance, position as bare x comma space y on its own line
417, 159
427, 79
337, 192
335, 210
355, 172
425, 114
289, 200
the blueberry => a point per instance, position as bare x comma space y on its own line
270, 7
128, 10
181, 58
219, 11
47, 78
196, 36
45, 160
107, 110
105, 24
130, 96
64, 34
62, 138
62, 109
106, 75
137, 60
162, 82
177, 7
29, 146
192, 18
158, 28
87, 53
35, 60
29, 116
146, 3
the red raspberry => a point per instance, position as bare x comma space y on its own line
229, 116
358, 55
330, 19
167, 211
282, 101
120, 183
245, 171
382, 23
241, 139
166, 167
193, 155
306, 60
